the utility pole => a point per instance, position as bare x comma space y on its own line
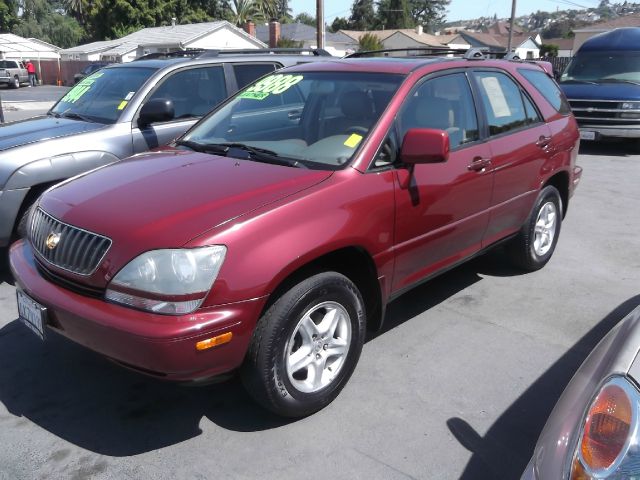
513, 16
320, 23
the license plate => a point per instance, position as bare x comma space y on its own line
587, 135
31, 313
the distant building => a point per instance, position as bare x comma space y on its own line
565, 45
209, 35
20, 48
399, 38
335, 43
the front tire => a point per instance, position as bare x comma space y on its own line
306, 346
16, 82
536, 242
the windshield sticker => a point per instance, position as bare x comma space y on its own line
275, 84
353, 140
496, 97
122, 104
81, 88
129, 95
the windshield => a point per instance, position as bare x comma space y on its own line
103, 96
312, 119
622, 66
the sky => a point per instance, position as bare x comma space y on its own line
458, 9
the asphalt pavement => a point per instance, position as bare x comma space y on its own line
458, 385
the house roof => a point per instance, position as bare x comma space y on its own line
301, 32
14, 46
452, 38
562, 43
380, 34
502, 28
516, 40
484, 39
423, 38
180, 35
620, 22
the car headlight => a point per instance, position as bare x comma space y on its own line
173, 281
608, 443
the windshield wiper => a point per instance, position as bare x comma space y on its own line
75, 116
589, 82
618, 80
253, 153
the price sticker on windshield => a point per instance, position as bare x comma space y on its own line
81, 88
275, 84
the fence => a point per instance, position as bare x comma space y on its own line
559, 63
54, 72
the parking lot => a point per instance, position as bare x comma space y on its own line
458, 385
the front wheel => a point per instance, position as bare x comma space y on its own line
536, 242
306, 346
16, 82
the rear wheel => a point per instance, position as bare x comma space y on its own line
306, 346
16, 82
536, 242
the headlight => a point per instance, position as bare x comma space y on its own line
608, 444
630, 105
172, 281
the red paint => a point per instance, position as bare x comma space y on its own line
412, 221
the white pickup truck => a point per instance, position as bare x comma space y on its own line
13, 73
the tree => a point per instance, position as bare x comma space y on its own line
339, 23
306, 19
549, 50
394, 14
363, 17
369, 42
429, 13
288, 43
8, 15
283, 11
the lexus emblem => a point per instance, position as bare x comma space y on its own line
53, 239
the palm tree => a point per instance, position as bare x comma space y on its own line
242, 11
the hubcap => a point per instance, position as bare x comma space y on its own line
318, 347
545, 229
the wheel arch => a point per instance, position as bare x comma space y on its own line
560, 180
353, 262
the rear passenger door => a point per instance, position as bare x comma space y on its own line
441, 208
520, 143
194, 92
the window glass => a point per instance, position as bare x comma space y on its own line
532, 113
103, 96
444, 103
8, 64
502, 102
194, 91
248, 72
547, 88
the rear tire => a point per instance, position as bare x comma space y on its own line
16, 82
536, 242
306, 346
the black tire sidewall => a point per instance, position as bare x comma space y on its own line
548, 194
284, 398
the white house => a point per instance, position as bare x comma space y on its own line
20, 48
209, 35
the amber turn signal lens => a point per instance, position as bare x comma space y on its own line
606, 428
214, 341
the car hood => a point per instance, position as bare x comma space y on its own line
601, 91
16, 134
164, 199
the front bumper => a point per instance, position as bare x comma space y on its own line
617, 131
160, 345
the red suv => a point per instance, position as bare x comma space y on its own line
269, 243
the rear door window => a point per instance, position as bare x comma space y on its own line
547, 88
246, 73
502, 102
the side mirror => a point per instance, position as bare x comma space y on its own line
424, 145
156, 110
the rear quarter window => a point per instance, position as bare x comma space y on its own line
547, 88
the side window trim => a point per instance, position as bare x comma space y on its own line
481, 106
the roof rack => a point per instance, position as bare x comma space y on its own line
469, 54
205, 53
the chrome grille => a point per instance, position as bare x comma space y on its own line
603, 112
77, 250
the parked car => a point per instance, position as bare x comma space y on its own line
602, 83
593, 431
268, 243
88, 70
116, 112
13, 73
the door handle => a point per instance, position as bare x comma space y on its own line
294, 115
478, 164
543, 142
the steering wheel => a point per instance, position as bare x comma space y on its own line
358, 129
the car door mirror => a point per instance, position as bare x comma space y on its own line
156, 110
424, 145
